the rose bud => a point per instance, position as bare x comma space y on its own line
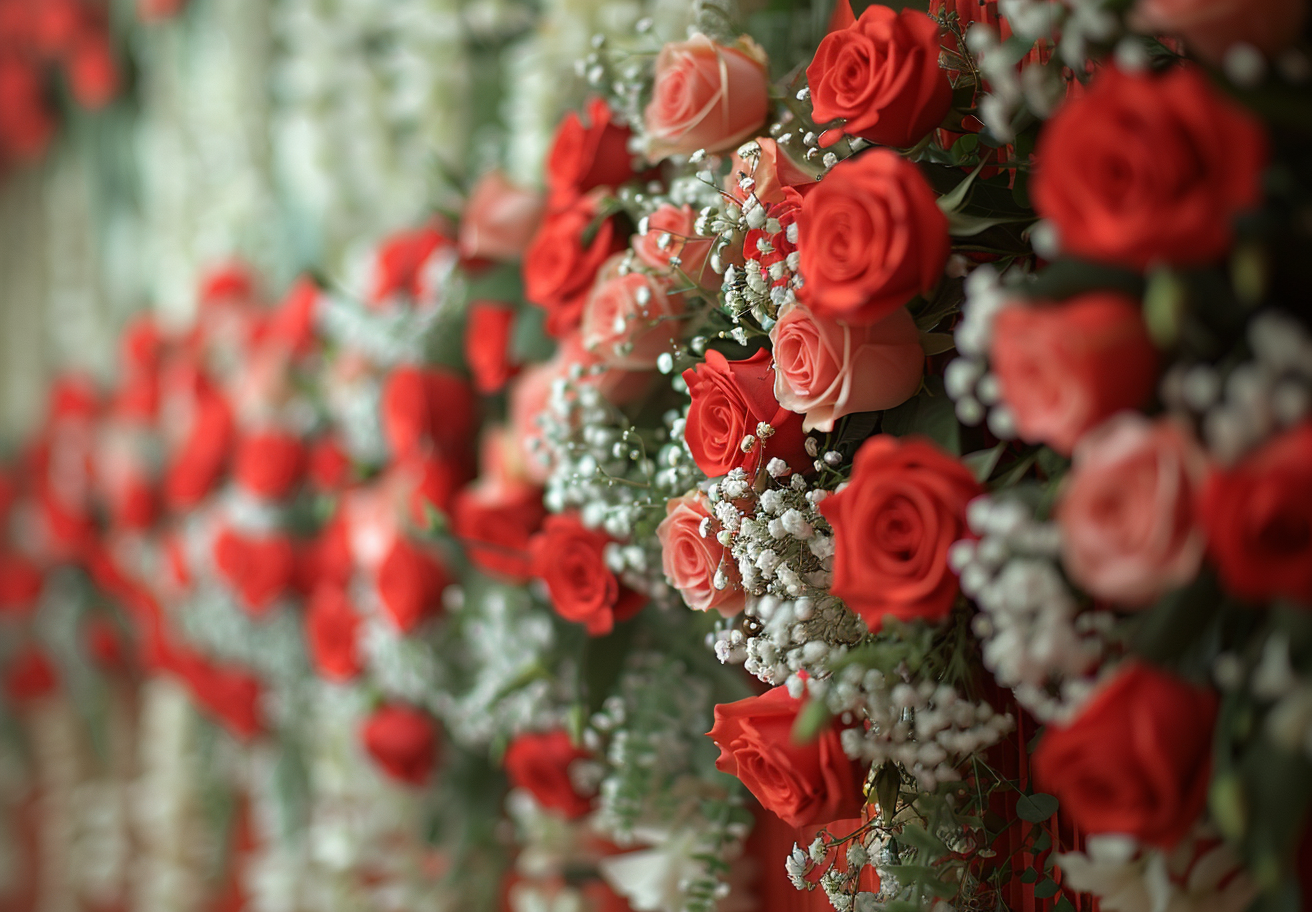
771, 171
800, 783
1063, 368
881, 75
400, 262
870, 238
540, 763
403, 741
730, 402
706, 96
410, 584
269, 463
691, 561
332, 629
1136, 760
1258, 517
825, 368
570, 558
1148, 169
488, 333
260, 569
893, 525
1127, 511
499, 220
427, 409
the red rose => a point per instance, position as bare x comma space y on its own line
332, 628
410, 584
293, 323
893, 524
559, 268
1136, 760
495, 524
20, 583
328, 557
399, 267
329, 466
1258, 517
30, 675
1064, 368
229, 692
881, 75
259, 569
570, 559
729, 400
203, 455
433, 483
870, 238
584, 158
427, 408
403, 741
270, 463
1146, 169
540, 763
487, 344
800, 783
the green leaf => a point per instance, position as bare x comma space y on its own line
1225, 799
1029, 876
1063, 905
814, 718
982, 462
936, 343
953, 200
1036, 808
888, 782
1046, 889
961, 224
921, 839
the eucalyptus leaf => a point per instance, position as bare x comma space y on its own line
936, 343
1036, 808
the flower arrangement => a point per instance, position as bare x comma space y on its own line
890, 469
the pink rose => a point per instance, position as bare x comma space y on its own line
1064, 368
771, 171
690, 561
670, 234
825, 368
1127, 512
499, 219
1212, 27
707, 96
629, 319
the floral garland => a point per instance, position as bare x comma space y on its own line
878, 480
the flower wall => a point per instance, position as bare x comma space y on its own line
854, 458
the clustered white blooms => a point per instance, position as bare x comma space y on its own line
927, 728
1241, 408
1035, 638
967, 379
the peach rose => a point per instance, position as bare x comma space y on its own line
706, 96
1127, 512
771, 171
671, 233
499, 219
1212, 27
629, 319
825, 368
690, 561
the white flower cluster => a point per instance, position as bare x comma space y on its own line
870, 846
1035, 639
967, 380
1039, 88
507, 691
788, 636
926, 727
1274, 681
1255, 400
